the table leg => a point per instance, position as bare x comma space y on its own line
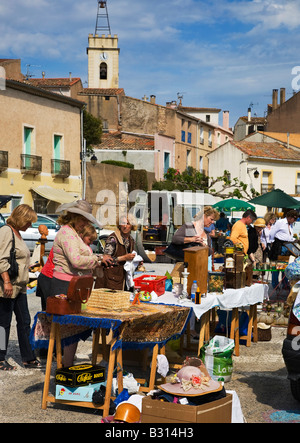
153, 367
48, 365
252, 327
110, 370
95, 346
58, 347
120, 370
255, 331
203, 334
234, 330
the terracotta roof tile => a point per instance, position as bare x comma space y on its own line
294, 139
275, 150
119, 141
255, 120
102, 91
52, 82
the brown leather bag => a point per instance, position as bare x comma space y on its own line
80, 289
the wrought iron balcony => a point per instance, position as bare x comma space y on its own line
267, 188
31, 164
3, 160
60, 168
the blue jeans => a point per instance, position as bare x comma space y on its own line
19, 307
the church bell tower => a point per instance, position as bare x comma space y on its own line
103, 53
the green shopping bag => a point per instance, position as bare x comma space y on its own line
217, 357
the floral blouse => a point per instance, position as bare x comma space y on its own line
71, 256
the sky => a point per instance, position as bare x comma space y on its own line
226, 54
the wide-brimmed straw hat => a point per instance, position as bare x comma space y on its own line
81, 207
191, 381
260, 223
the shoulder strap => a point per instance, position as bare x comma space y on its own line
13, 237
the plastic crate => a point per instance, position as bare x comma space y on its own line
151, 283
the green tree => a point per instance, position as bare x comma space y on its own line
92, 130
193, 180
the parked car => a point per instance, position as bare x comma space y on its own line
291, 349
32, 235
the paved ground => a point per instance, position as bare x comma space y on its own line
259, 378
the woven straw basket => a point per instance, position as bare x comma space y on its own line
104, 298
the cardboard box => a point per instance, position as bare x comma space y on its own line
80, 375
156, 411
81, 393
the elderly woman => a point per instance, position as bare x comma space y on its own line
13, 291
71, 256
193, 233
255, 250
118, 249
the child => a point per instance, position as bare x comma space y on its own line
88, 234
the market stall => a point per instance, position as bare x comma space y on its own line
229, 299
137, 327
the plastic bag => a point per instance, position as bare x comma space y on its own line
217, 357
292, 271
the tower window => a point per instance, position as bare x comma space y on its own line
103, 71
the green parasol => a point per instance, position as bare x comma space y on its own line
233, 204
276, 199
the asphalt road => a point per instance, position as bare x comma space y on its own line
259, 378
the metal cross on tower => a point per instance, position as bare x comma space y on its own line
102, 22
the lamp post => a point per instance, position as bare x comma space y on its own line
255, 173
83, 156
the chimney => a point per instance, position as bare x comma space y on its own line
249, 114
43, 74
226, 119
152, 99
282, 95
171, 104
275, 99
70, 76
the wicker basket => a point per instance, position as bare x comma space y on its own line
104, 298
264, 332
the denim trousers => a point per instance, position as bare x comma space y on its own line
19, 307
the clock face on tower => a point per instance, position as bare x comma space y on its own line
104, 56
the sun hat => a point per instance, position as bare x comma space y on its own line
191, 381
81, 207
260, 223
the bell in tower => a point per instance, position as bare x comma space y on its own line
103, 53
102, 22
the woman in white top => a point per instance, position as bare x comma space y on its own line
270, 219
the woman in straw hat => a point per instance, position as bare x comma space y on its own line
255, 250
71, 256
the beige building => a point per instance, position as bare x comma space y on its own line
40, 145
263, 166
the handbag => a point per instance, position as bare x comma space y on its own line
13, 271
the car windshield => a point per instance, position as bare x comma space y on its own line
51, 224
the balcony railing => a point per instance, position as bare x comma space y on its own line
31, 164
267, 188
3, 160
60, 168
